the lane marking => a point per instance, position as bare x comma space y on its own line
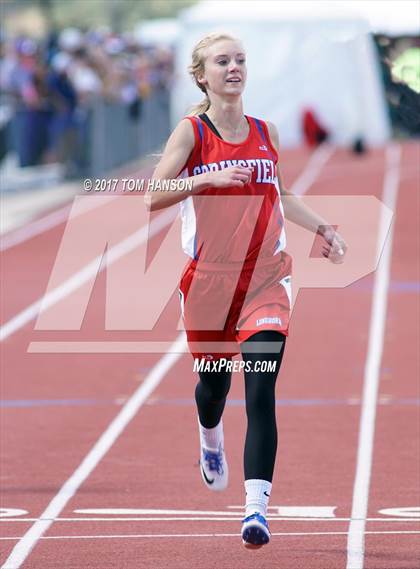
22, 549
203, 518
34, 228
100, 347
313, 168
6, 512
403, 512
16, 403
298, 511
143, 512
86, 273
285, 511
353, 401
183, 535
355, 541
30, 403
43, 224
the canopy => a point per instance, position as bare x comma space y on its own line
296, 59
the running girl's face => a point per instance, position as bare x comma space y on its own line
225, 68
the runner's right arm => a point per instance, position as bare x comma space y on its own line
175, 156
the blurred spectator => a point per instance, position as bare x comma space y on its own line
53, 87
314, 132
24, 79
63, 102
84, 77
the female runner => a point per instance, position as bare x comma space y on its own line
235, 291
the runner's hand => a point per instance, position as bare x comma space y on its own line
232, 176
335, 247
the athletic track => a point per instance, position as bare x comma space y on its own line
99, 450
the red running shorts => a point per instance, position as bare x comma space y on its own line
223, 305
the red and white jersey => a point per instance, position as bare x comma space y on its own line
233, 224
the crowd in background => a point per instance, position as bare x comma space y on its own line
48, 87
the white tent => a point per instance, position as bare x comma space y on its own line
162, 31
295, 59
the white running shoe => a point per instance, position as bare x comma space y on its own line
214, 468
255, 532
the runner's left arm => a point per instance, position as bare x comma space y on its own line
298, 212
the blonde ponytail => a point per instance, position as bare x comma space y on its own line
201, 107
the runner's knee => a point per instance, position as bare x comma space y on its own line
215, 385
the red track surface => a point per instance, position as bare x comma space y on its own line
60, 404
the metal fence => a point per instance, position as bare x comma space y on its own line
117, 134
104, 136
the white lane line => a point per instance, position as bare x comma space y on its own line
105, 347
222, 519
43, 224
34, 228
283, 511
22, 549
355, 541
181, 535
86, 273
52, 219
316, 162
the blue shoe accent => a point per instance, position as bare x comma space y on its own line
255, 532
214, 468
214, 460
